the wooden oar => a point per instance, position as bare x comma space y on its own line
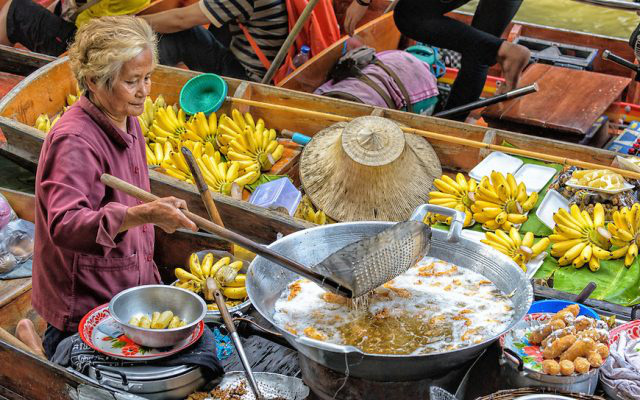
202, 186
277, 61
446, 138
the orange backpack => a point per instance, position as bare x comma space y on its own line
319, 32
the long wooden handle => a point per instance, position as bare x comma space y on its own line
202, 186
15, 342
446, 138
204, 224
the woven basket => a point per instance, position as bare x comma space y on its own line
515, 393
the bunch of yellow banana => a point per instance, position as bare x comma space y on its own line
501, 202
200, 271
579, 239
242, 139
149, 113
71, 98
43, 123
308, 212
625, 233
202, 128
158, 154
519, 249
226, 177
457, 194
169, 126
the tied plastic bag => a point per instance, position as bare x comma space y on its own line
16, 239
587, 199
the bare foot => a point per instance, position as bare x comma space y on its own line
512, 58
26, 332
4, 38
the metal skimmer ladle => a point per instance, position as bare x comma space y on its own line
352, 271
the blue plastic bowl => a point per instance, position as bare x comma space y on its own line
203, 93
553, 306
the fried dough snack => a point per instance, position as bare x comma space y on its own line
550, 367
571, 343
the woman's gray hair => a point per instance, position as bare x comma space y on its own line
103, 45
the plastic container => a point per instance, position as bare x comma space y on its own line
279, 195
552, 202
496, 161
553, 306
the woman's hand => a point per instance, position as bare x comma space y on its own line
164, 212
354, 14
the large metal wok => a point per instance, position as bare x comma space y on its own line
267, 281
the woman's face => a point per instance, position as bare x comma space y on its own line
131, 87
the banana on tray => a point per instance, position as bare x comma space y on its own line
500, 202
226, 273
624, 233
457, 194
519, 249
581, 240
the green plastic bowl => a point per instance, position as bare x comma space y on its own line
203, 93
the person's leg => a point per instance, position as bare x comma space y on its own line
26, 332
4, 11
52, 338
200, 51
35, 27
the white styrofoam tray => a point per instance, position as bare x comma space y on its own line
552, 202
534, 176
624, 188
495, 161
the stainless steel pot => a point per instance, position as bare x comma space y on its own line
151, 382
266, 282
517, 376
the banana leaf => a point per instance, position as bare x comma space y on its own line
616, 283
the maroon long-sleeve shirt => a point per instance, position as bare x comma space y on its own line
80, 260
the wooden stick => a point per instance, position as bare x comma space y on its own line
202, 186
277, 61
449, 139
15, 342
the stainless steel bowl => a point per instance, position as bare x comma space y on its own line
147, 299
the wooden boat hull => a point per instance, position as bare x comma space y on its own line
382, 34
45, 91
31, 377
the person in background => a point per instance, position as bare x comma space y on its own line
43, 31
265, 22
92, 242
479, 43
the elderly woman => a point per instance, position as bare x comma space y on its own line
93, 242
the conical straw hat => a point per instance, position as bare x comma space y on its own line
368, 170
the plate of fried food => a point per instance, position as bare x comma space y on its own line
561, 344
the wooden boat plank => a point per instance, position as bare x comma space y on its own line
21, 62
569, 101
381, 32
32, 378
8, 81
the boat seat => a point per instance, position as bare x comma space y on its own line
8, 81
567, 105
15, 304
